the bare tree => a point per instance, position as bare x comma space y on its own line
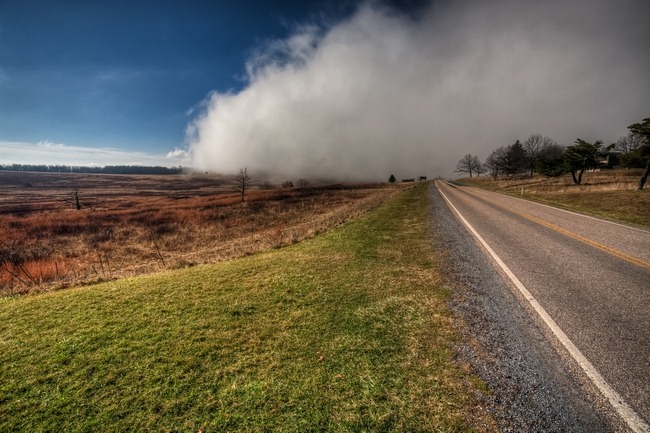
629, 143
479, 168
243, 181
75, 200
469, 164
535, 146
496, 162
303, 183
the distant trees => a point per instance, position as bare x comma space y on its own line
392, 179
243, 181
507, 160
469, 164
108, 169
541, 154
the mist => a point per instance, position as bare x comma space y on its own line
385, 93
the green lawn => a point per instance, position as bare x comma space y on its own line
345, 332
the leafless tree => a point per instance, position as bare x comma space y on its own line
469, 164
303, 183
480, 169
243, 181
535, 146
497, 161
629, 143
75, 200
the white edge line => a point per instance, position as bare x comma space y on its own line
622, 408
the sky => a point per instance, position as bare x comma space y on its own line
322, 89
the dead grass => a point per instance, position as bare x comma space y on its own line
143, 224
606, 194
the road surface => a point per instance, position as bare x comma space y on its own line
584, 282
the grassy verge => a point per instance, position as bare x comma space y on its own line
609, 195
345, 332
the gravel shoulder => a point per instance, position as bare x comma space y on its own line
532, 386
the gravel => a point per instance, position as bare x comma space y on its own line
533, 387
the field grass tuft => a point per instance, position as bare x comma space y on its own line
347, 331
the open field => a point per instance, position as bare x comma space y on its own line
347, 331
130, 225
607, 194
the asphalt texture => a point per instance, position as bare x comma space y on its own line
534, 384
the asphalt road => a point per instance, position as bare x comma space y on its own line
591, 278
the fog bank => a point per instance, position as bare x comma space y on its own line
383, 93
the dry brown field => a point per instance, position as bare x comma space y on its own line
135, 224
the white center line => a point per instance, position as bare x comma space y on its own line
634, 422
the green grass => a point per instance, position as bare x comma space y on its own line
344, 332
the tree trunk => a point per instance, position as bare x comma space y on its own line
76, 199
644, 177
573, 175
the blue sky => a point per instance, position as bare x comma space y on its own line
127, 75
328, 89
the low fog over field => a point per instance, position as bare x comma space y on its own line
384, 92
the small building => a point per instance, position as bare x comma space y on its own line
608, 158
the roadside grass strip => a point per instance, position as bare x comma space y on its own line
347, 331
609, 198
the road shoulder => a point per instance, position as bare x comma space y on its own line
530, 387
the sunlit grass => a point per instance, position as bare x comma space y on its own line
344, 332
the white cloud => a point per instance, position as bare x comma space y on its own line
46, 152
178, 154
382, 93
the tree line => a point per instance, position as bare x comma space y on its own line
541, 154
108, 169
